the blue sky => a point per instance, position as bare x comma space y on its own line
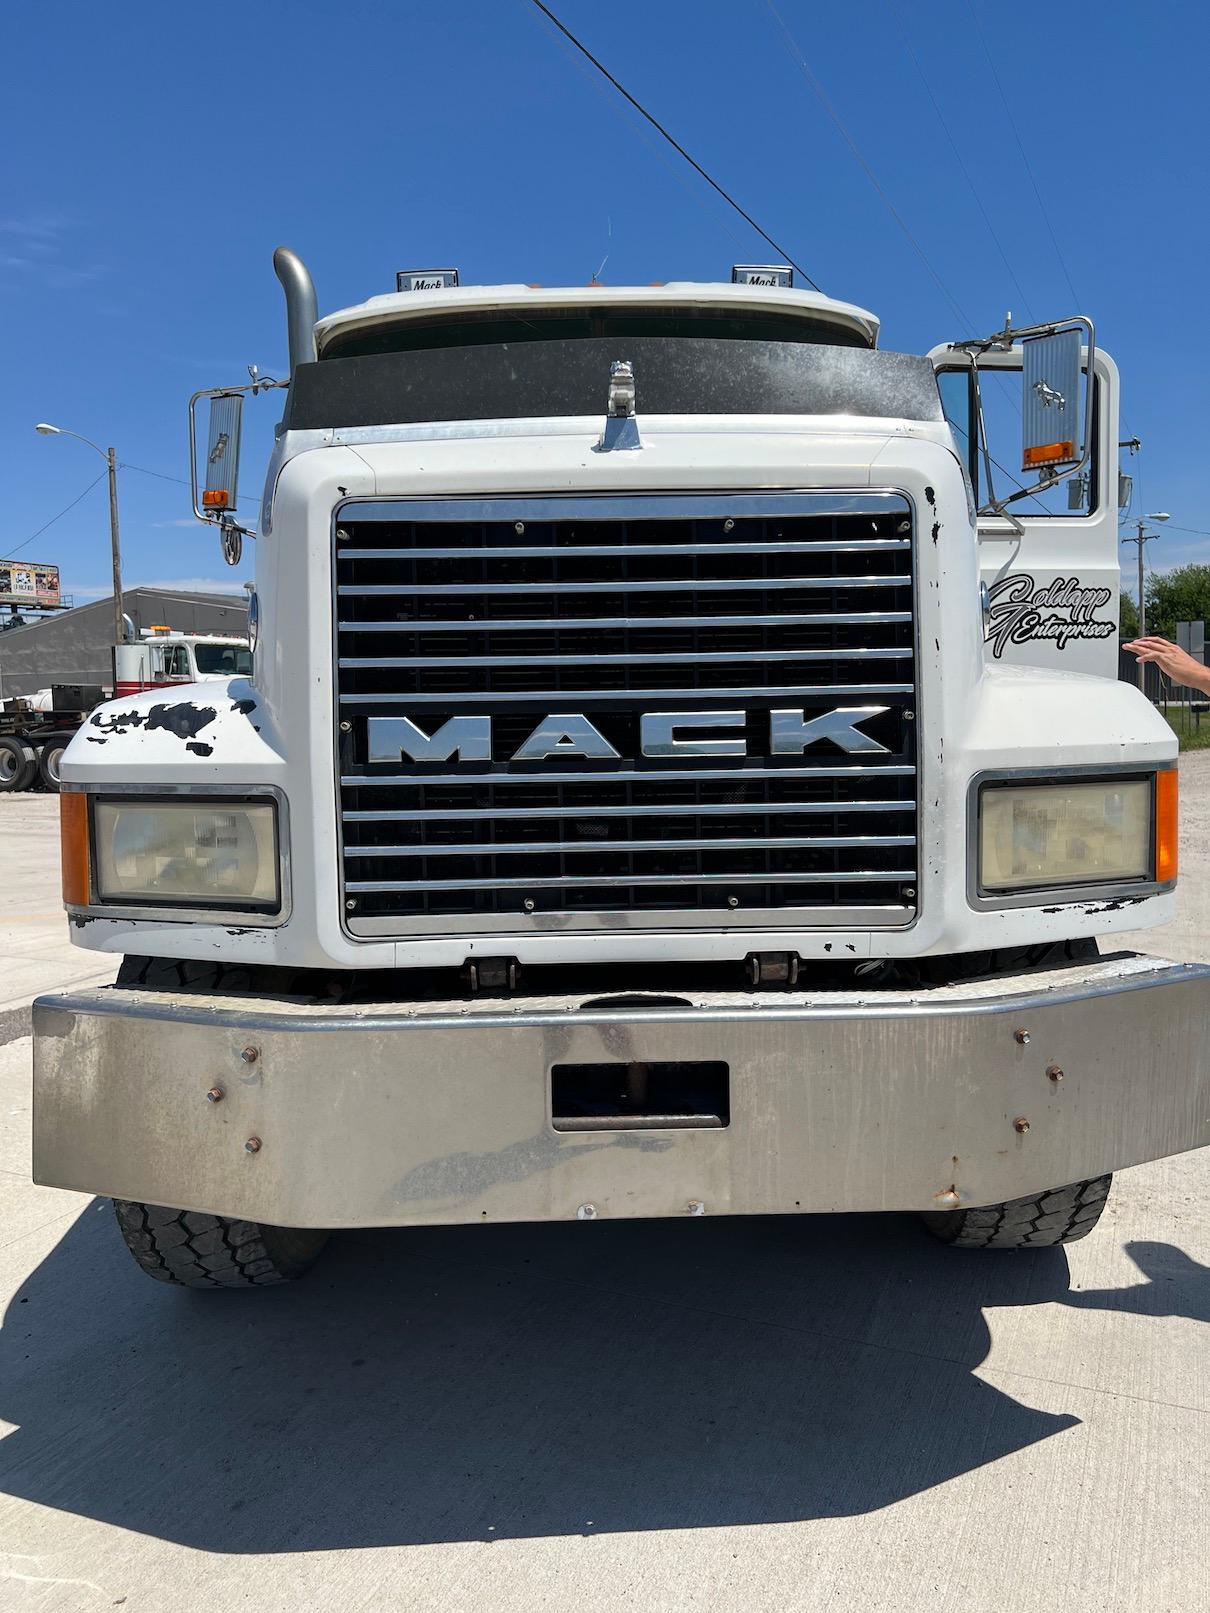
156, 155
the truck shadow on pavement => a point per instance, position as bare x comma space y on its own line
482, 1383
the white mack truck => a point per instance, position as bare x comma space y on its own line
682, 772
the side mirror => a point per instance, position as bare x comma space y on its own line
1051, 428
222, 453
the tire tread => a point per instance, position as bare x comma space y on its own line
195, 1250
1060, 1215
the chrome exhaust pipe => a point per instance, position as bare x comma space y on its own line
302, 310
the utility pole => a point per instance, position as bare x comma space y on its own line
109, 455
115, 546
1142, 538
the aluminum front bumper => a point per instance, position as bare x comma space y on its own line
406, 1114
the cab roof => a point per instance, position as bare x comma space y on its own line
398, 308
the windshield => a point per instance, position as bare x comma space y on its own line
223, 660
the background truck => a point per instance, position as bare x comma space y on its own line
683, 772
36, 729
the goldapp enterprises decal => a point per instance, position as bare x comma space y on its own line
1022, 612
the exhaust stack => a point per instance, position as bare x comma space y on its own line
302, 310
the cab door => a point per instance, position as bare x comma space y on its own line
1049, 562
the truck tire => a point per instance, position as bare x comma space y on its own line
1059, 1216
18, 765
213, 1251
49, 758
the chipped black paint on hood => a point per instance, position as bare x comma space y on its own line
184, 719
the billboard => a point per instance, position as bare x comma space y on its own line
24, 582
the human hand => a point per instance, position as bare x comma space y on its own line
1179, 665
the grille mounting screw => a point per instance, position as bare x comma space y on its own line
346, 727
728, 525
341, 534
909, 716
528, 904
518, 527
350, 903
733, 901
586, 1212
909, 890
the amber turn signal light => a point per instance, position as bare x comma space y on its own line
73, 842
1167, 819
1048, 453
216, 498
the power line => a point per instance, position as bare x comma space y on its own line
143, 471
1012, 123
974, 189
58, 517
796, 56
653, 144
674, 143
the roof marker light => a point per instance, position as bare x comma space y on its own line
425, 279
762, 274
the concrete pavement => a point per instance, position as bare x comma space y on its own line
694, 1415
35, 953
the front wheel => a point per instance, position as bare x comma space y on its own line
1060, 1215
213, 1251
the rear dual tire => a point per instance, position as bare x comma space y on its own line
18, 766
49, 758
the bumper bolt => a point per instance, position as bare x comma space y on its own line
586, 1212
1021, 1037
1021, 1124
696, 1207
250, 1055
215, 1095
252, 1146
1054, 1072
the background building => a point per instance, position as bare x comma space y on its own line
73, 646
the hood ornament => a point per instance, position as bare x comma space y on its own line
621, 427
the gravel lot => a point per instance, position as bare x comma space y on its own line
708, 1415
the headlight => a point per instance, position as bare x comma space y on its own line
187, 854
1084, 832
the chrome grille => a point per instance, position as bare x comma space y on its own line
612, 608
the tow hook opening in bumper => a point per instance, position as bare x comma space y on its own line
641, 1095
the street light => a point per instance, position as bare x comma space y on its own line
1142, 538
111, 461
